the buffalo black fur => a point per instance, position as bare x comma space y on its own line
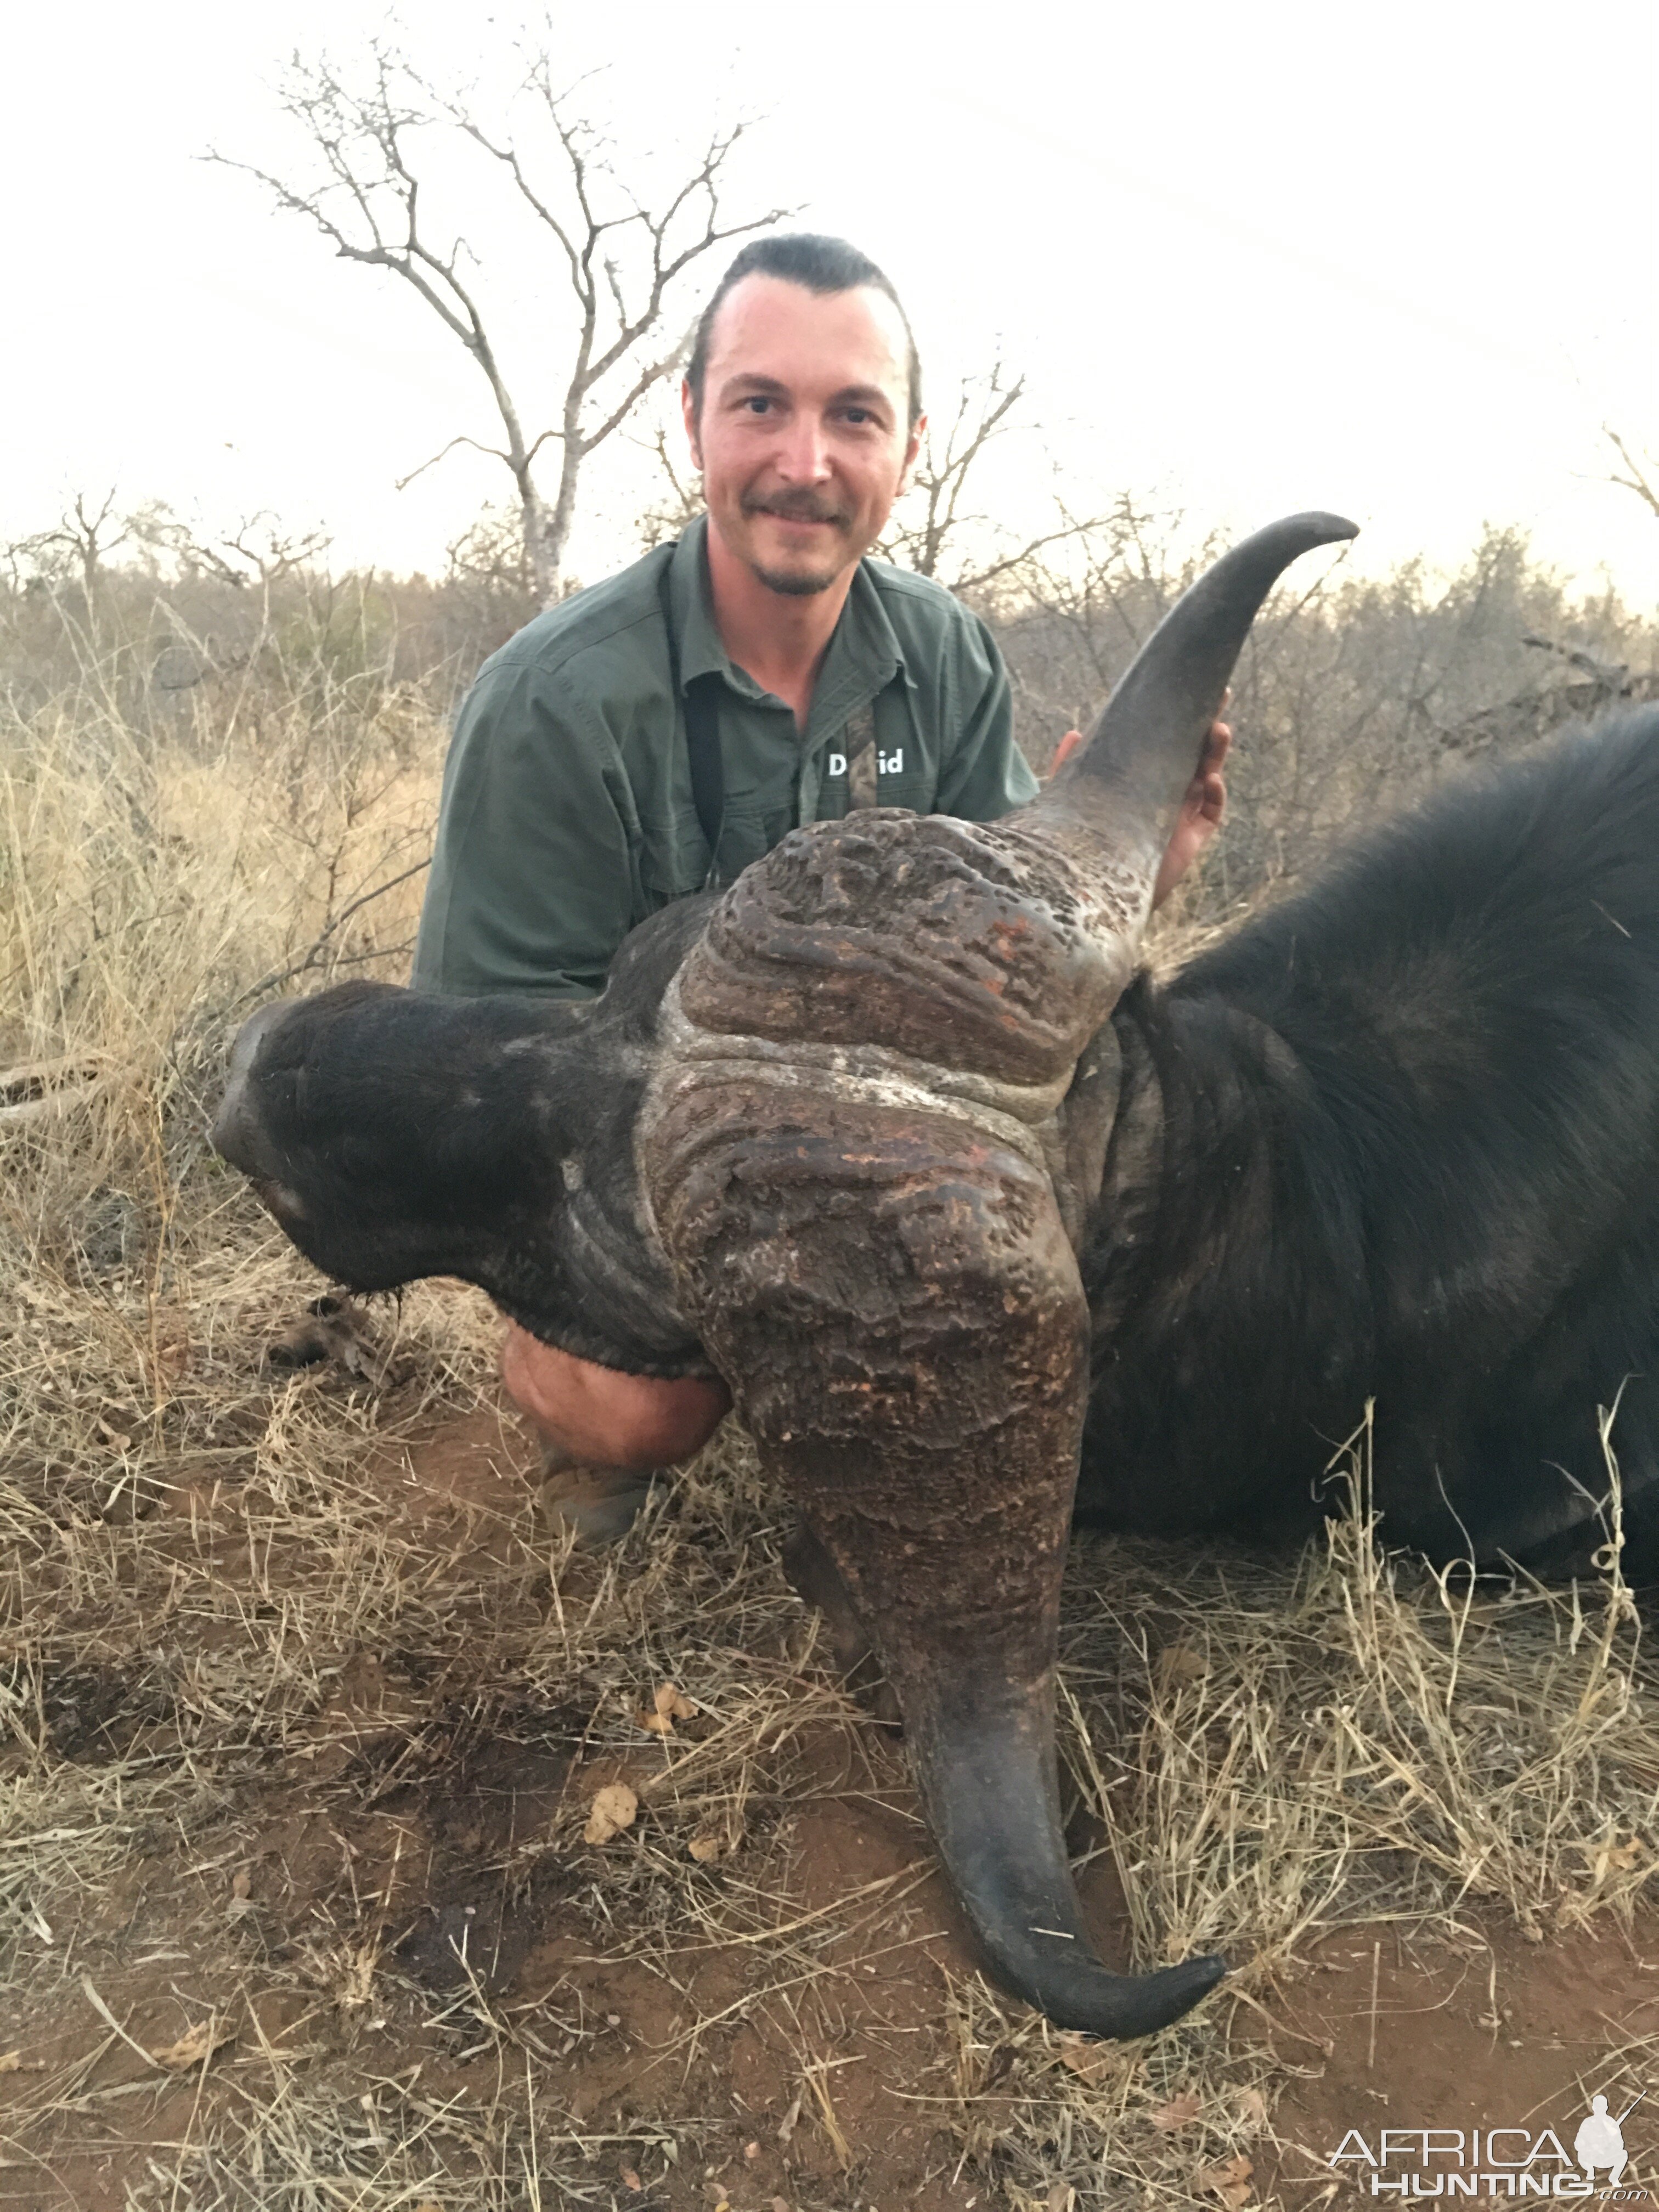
1409, 1153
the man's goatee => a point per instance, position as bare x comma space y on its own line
790, 584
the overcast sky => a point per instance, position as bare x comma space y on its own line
1399, 261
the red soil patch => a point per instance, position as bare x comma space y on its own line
827, 2084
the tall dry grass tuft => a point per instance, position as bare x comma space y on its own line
163, 864
1361, 1731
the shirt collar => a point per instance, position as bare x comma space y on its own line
865, 653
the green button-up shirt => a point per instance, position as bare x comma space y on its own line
568, 814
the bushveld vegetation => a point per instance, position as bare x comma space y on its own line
304, 1713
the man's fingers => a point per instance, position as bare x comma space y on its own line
1063, 751
1208, 795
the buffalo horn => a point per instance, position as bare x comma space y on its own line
847, 1152
1127, 784
982, 1751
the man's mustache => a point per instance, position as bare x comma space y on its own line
793, 507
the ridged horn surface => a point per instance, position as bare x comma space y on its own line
961, 946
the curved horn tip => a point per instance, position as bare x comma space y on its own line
1078, 1993
1318, 528
984, 1765
1118, 2006
1261, 556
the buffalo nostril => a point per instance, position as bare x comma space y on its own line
229, 1133
233, 1135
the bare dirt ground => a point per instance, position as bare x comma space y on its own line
306, 1729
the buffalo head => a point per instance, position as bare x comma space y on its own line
835, 1136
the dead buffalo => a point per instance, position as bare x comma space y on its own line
893, 1137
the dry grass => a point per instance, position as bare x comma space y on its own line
261, 1677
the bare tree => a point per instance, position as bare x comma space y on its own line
679, 497
1641, 477
617, 258
258, 551
491, 551
935, 527
83, 539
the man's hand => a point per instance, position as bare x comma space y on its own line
601, 1418
1201, 809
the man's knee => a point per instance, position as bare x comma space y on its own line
602, 1418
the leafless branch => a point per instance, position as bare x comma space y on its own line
946, 474
314, 955
432, 461
1023, 557
1609, 674
1638, 479
682, 503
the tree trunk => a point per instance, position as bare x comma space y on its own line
533, 510
556, 522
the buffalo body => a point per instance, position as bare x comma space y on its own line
981, 1226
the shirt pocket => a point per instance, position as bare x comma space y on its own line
671, 859
747, 831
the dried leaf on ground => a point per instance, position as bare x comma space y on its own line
1181, 2111
1231, 2182
10, 2061
241, 1885
1251, 2110
195, 2044
669, 1704
705, 1848
613, 1810
1180, 1663
631, 2180
1063, 2198
1095, 2063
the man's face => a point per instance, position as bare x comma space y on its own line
804, 438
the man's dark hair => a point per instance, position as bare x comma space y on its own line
818, 264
